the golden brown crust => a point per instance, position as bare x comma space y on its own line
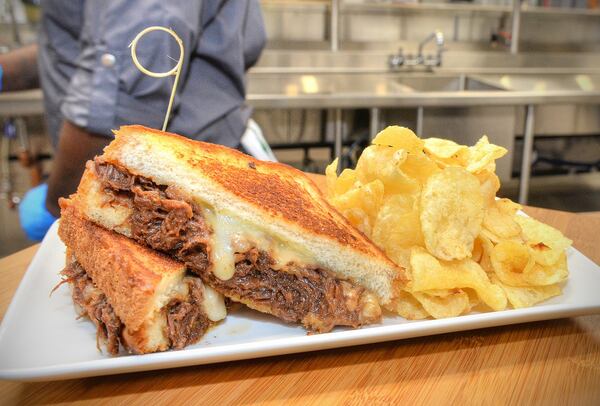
128, 273
282, 191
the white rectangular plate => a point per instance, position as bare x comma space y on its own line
40, 338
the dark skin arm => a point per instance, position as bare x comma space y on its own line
20, 69
75, 147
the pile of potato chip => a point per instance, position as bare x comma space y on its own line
431, 205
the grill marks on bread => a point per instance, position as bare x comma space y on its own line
281, 196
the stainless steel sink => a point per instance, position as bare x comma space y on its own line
323, 84
361, 84
363, 89
544, 82
445, 83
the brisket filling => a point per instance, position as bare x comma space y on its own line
160, 219
299, 294
163, 220
94, 305
186, 322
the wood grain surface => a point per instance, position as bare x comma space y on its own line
549, 362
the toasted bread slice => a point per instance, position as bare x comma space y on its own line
274, 198
144, 288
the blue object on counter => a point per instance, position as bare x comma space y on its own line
35, 218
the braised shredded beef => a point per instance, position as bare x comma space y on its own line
160, 218
165, 221
304, 295
94, 305
186, 321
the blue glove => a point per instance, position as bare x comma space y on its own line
35, 218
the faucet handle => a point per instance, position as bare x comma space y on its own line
396, 60
432, 60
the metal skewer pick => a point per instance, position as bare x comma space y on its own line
173, 72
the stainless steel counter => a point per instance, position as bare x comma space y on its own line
25, 103
454, 61
421, 99
360, 90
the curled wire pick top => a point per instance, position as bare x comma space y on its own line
175, 71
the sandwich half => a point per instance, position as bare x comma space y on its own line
260, 233
139, 299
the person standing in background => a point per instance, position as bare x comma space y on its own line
91, 86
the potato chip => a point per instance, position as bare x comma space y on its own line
477, 252
508, 207
375, 157
490, 184
418, 166
483, 154
399, 138
474, 300
429, 273
331, 177
359, 219
337, 185
520, 297
445, 149
509, 257
397, 227
494, 239
546, 242
384, 164
400, 255
514, 265
500, 224
372, 197
542, 275
452, 213
444, 163
367, 197
407, 306
453, 303
486, 251
459, 160
345, 181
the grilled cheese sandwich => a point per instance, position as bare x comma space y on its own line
258, 232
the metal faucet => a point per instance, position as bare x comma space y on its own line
400, 59
439, 41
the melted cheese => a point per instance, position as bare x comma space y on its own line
223, 261
230, 235
214, 304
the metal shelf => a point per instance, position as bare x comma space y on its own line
558, 11
439, 7
424, 7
